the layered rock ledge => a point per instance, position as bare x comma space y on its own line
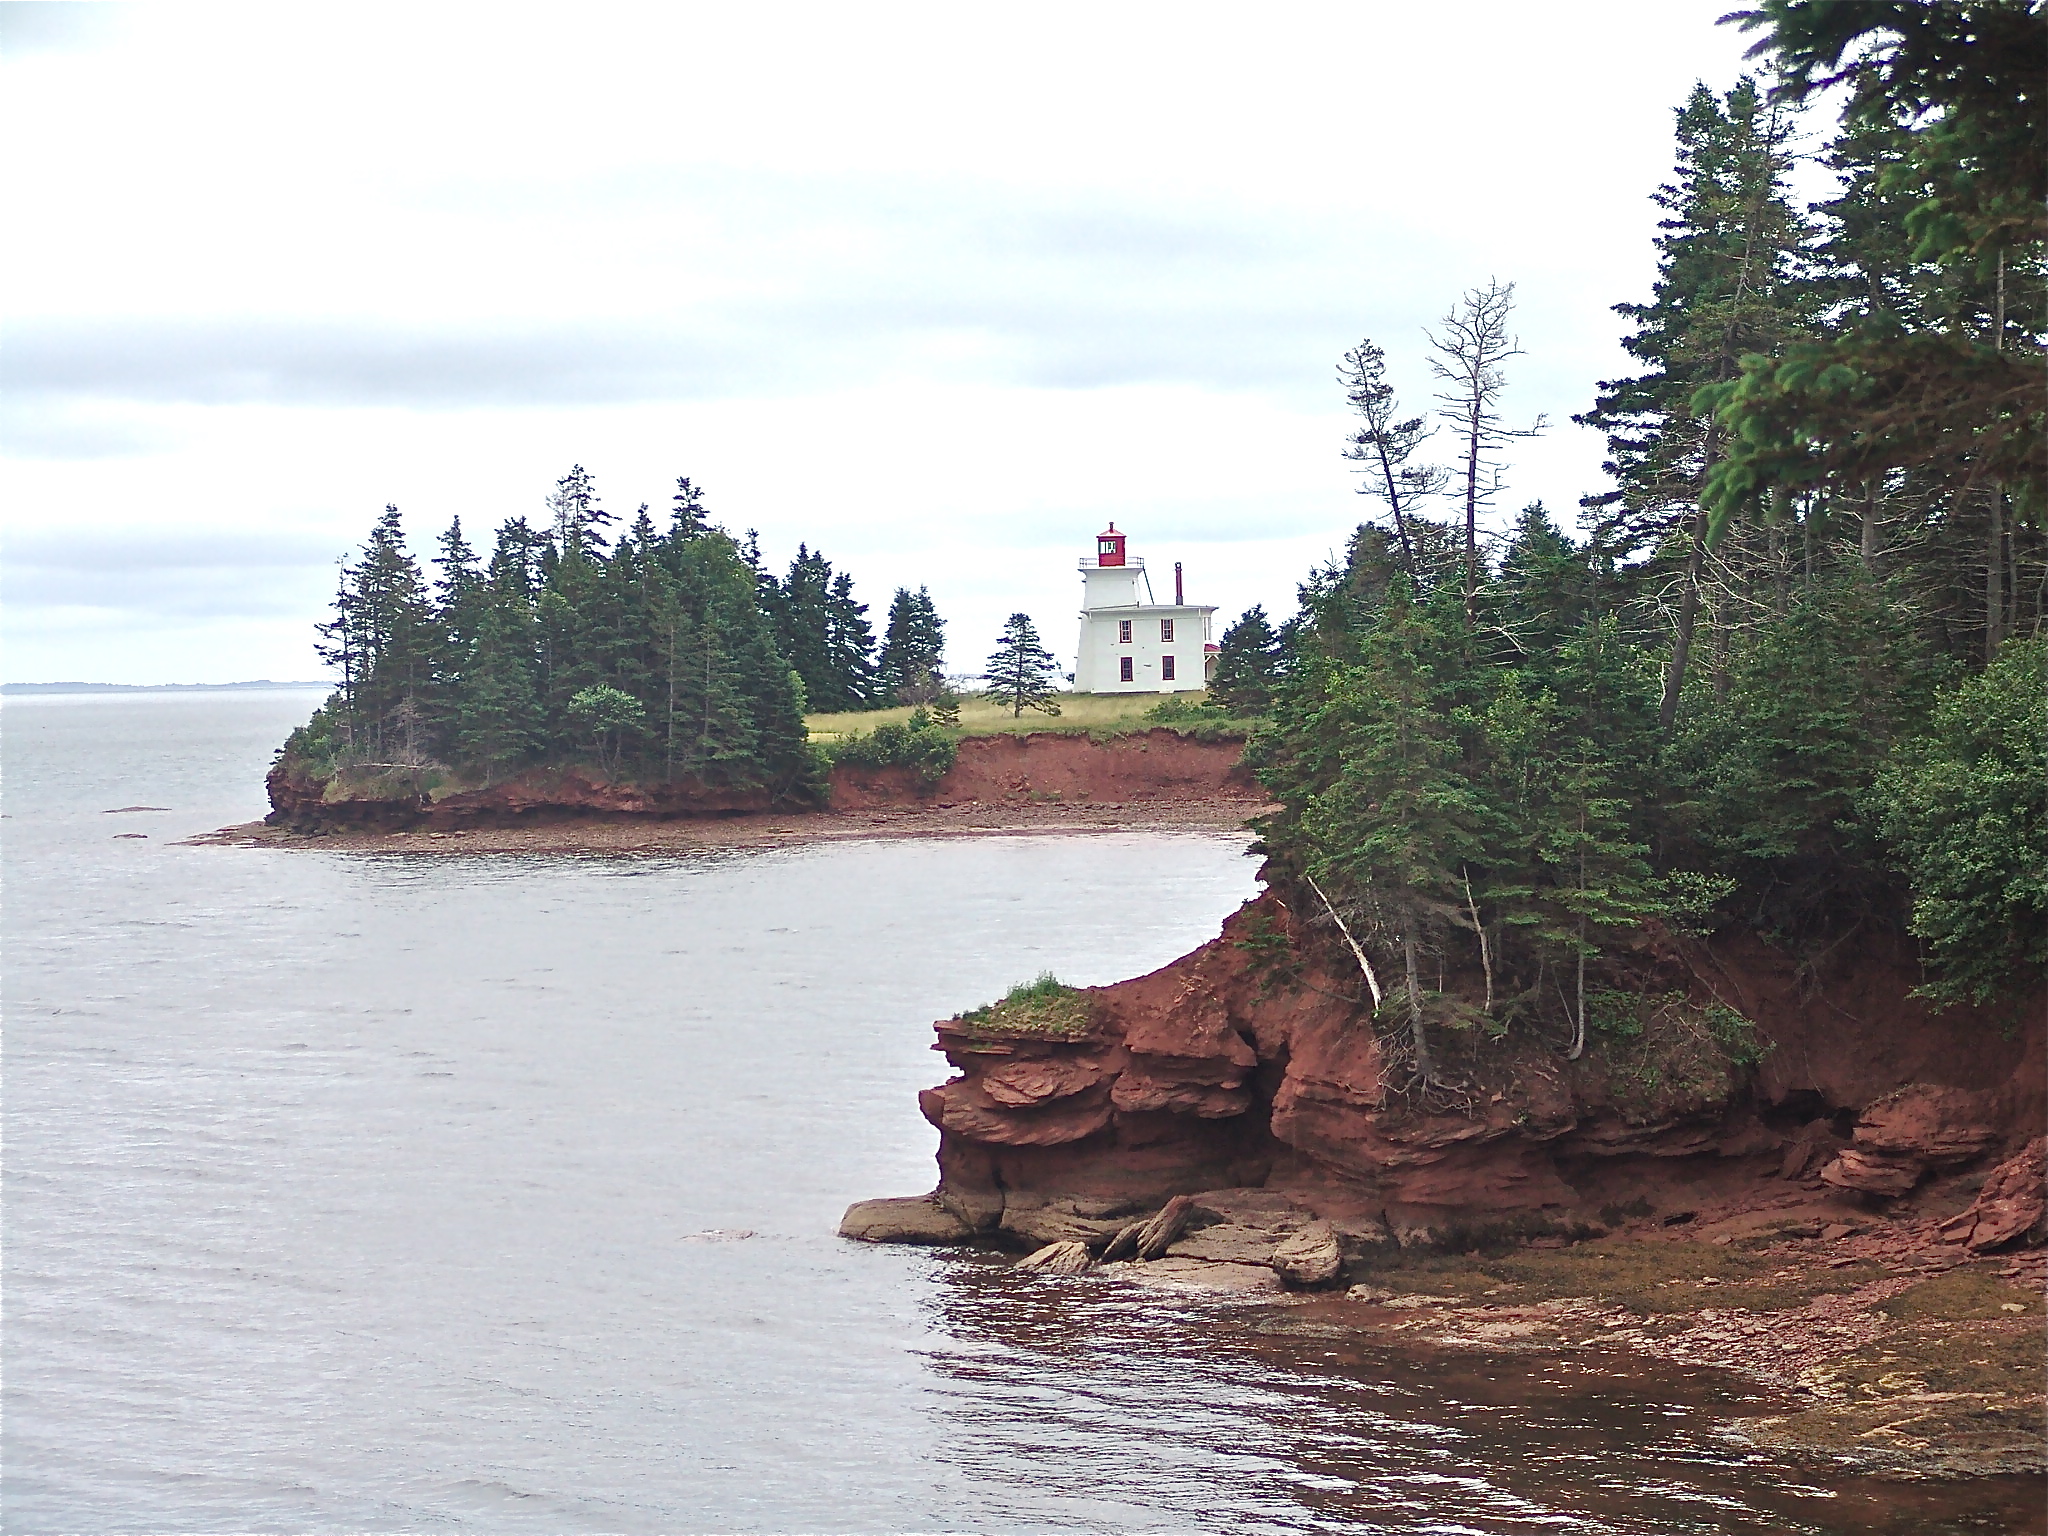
1220, 1079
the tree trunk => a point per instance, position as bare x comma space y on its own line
1689, 599
1994, 578
1688, 616
1869, 548
1472, 521
1425, 1065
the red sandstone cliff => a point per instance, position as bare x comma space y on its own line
1212, 1073
1040, 768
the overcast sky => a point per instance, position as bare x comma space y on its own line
939, 289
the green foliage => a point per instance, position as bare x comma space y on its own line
1963, 810
1772, 725
1939, 362
1020, 671
653, 656
921, 743
912, 663
1773, 762
1270, 955
823, 633
1043, 1009
1248, 665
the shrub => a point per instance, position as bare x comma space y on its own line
922, 744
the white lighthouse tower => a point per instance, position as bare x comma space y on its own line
1134, 645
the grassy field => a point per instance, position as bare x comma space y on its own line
982, 716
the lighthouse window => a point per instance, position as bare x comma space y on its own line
1123, 631
1166, 629
1166, 668
1123, 671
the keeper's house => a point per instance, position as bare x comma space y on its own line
1129, 643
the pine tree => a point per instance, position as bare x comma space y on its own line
1727, 260
579, 519
1248, 664
383, 639
1386, 444
1390, 830
1020, 670
911, 666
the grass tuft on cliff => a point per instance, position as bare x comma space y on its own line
1044, 1009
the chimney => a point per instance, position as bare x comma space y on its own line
1179, 601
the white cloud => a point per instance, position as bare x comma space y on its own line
938, 289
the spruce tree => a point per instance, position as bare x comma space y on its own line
1731, 250
911, 666
1020, 669
1248, 664
1386, 444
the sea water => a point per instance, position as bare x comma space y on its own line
352, 1192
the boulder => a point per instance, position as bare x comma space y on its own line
1941, 1127
909, 1219
1068, 1258
1039, 1222
1198, 1275
2013, 1204
1873, 1173
1310, 1256
1227, 1243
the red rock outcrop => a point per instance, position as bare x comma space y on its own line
2013, 1204
1039, 768
1912, 1131
410, 798
1212, 1074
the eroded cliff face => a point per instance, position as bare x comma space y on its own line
401, 799
1159, 764
1039, 769
1220, 1072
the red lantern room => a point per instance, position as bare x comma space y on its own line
1109, 547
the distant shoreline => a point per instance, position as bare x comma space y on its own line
258, 683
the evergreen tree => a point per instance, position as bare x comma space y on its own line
1020, 670
1248, 665
913, 655
579, 520
1389, 824
1725, 288
1386, 444
382, 637
823, 632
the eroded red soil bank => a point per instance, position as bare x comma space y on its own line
1041, 769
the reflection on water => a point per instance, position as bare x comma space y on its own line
352, 1193
1280, 1418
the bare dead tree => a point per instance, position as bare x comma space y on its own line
1471, 344
1372, 982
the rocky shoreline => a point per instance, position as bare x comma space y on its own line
622, 834
1852, 1219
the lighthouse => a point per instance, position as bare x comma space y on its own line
1129, 642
